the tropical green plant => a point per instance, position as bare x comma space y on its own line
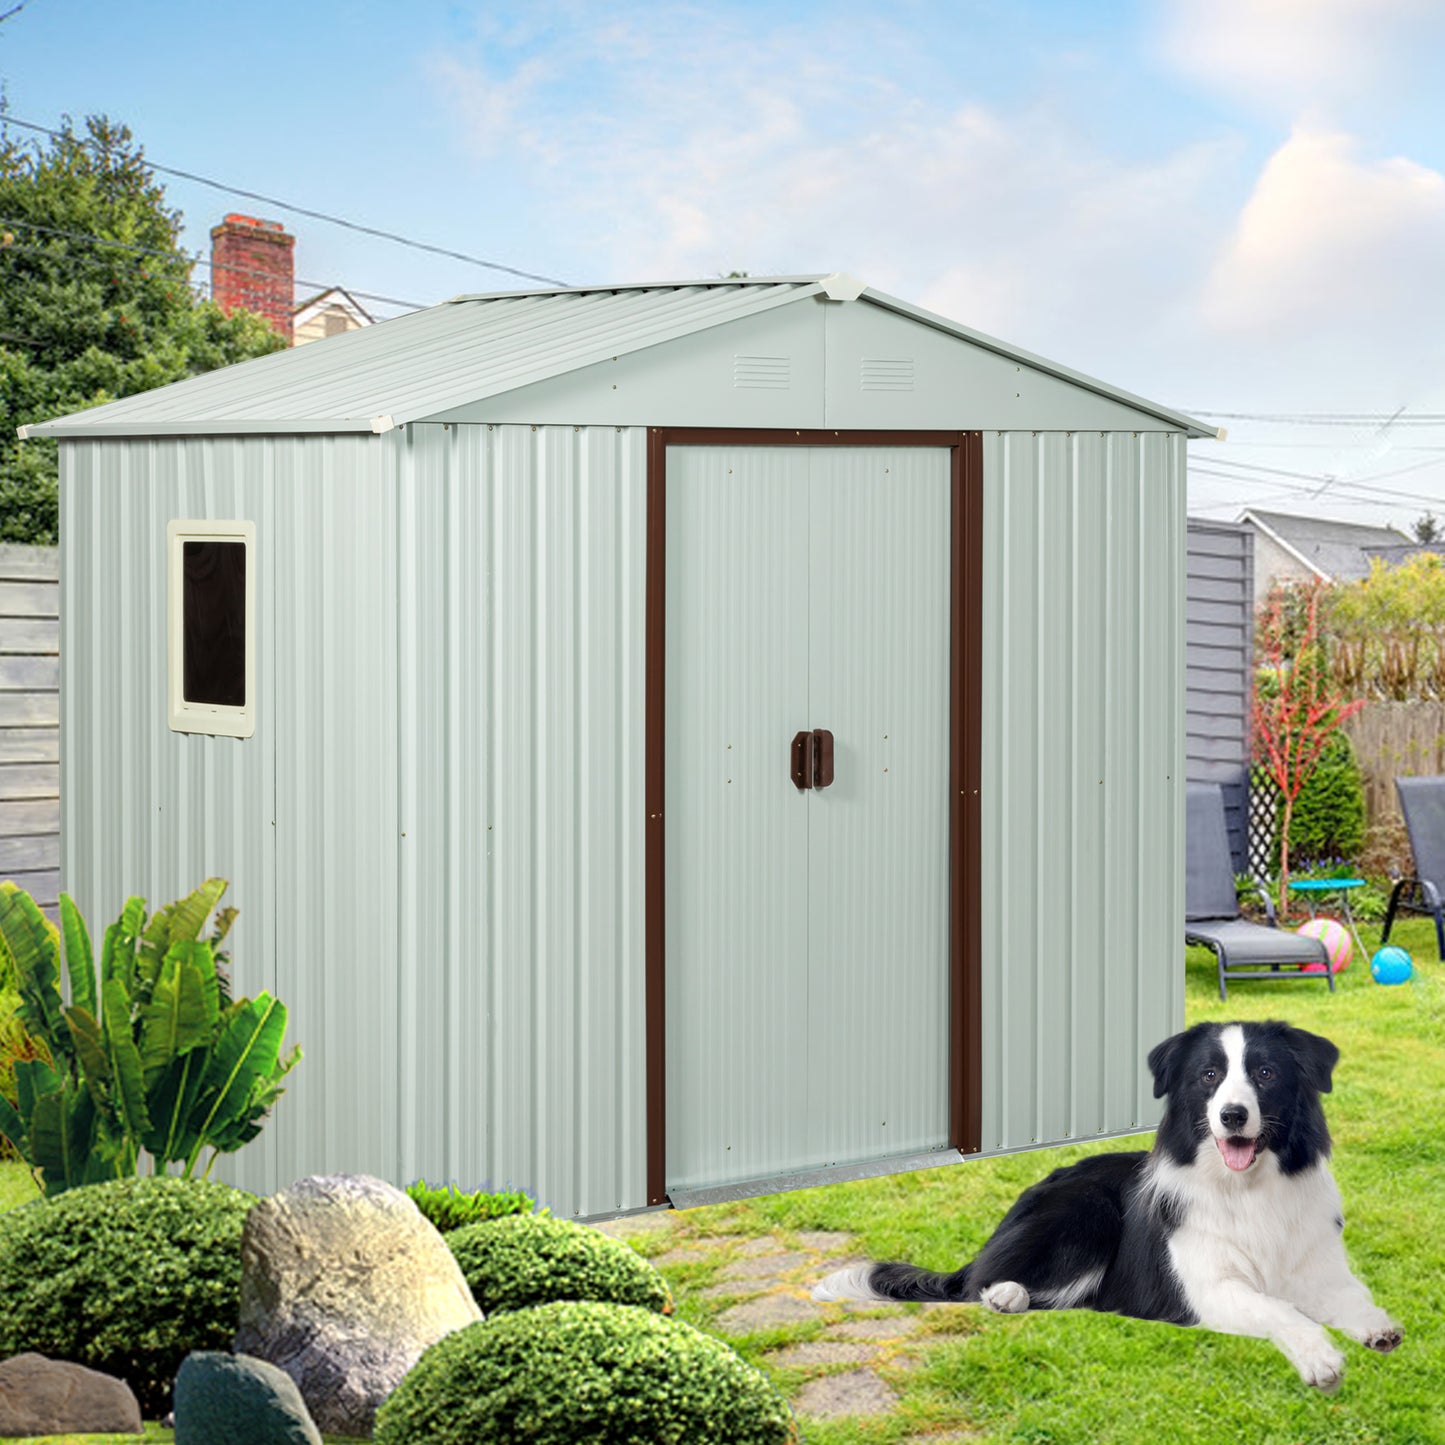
126, 1277
605, 1373
16, 1045
448, 1207
530, 1259
155, 1056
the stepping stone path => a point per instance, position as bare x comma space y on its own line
771, 1276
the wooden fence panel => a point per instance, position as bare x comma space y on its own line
30, 720
1395, 739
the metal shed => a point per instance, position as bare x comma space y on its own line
687, 740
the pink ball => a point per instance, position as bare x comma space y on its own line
1336, 939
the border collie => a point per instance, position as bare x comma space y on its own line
1231, 1222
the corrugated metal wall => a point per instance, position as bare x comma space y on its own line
1219, 647
435, 836
1083, 756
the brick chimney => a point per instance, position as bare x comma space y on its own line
253, 268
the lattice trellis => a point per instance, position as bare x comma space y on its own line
1263, 822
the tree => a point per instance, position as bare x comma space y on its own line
1427, 529
1296, 710
95, 301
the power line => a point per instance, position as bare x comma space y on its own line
314, 215
1328, 418
198, 260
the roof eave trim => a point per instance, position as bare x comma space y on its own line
64, 428
1187, 424
1286, 546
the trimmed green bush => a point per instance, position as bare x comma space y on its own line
448, 1208
530, 1259
1329, 814
571, 1371
127, 1277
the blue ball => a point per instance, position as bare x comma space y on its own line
1391, 965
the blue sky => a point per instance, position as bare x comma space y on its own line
1226, 205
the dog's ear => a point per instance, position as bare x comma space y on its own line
1164, 1062
1316, 1057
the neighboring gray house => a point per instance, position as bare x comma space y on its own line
1301, 549
667, 741
1218, 653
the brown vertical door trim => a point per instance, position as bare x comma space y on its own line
965, 1088
966, 691
655, 876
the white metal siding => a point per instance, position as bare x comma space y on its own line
521, 692
1082, 779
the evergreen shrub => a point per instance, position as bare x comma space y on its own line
529, 1259
448, 1207
127, 1277
572, 1371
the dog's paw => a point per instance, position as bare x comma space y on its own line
1384, 1339
1319, 1364
1006, 1297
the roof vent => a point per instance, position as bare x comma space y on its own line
770, 372
840, 286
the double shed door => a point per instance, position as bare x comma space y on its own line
806, 929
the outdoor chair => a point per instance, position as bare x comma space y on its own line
1422, 801
1244, 950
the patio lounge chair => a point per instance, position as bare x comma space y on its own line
1211, 907
1422, 801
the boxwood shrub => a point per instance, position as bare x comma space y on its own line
570, 1371
531, 1259
127, 1277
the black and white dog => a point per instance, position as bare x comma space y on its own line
1231, 1222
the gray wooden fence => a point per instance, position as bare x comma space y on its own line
1395, 739
30, 720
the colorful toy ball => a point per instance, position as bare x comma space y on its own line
1391, 965
1336, 939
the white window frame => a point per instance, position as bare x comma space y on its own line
200, 717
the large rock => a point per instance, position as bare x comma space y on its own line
343, 1284
239, 1400
53, 1397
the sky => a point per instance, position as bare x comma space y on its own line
1233, 207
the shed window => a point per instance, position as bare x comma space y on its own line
211, 615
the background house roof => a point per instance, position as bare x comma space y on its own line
476, 347
1337, 551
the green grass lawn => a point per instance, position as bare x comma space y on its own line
1074, 1376
1061, 1378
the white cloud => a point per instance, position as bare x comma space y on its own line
1330, 243
1301, 56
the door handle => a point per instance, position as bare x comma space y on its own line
822, 758
803, 761
812, 759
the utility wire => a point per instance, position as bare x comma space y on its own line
314, 215
198, 260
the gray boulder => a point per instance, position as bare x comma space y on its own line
53, 1397
343, 1284
239, 1400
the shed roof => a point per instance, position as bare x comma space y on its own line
420, 366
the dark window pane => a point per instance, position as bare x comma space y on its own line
214, 604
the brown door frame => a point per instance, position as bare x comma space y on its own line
965, 1081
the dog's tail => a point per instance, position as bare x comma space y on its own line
893, 1282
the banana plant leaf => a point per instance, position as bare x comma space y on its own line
171, 1102
33, 1077
183, 1011
62, 1134
117, 954
90, 1050
12, 1126
247, 1050
78, 960
34, 944
130, 1092
264, 1093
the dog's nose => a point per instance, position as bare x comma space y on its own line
1234, 1116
